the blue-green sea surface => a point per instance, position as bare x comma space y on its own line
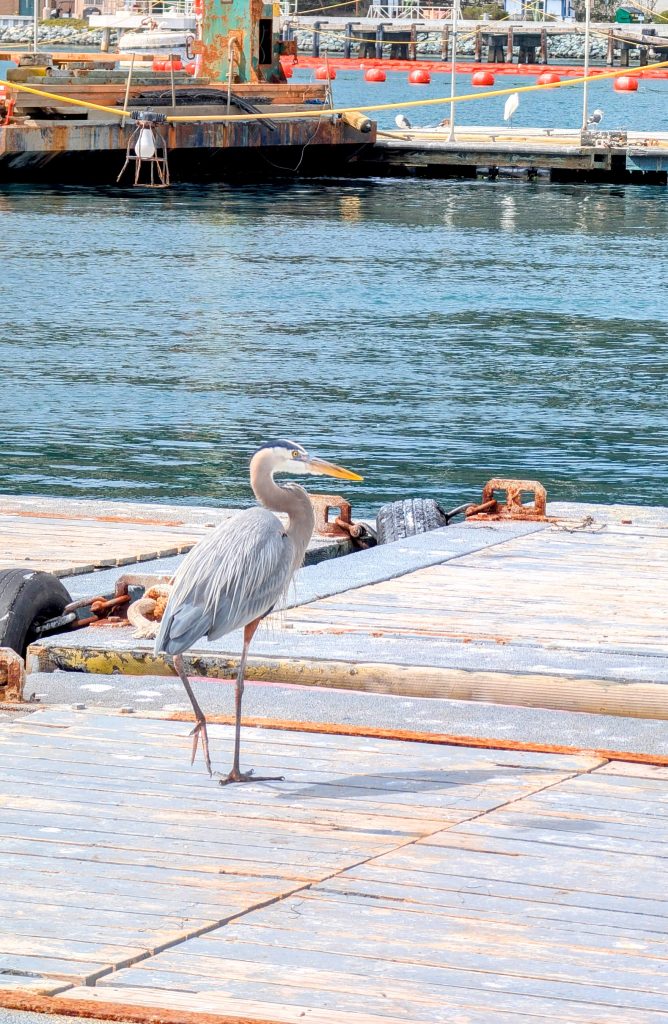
428, 334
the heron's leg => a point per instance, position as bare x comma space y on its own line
200, 727
236, 775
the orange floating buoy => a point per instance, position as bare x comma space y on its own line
419, 77
375, 75
324, 74
626, 84
548, 78
190, 68
175, 64
482, 78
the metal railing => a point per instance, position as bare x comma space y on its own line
407, 12
148, 8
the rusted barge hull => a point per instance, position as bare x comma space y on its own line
84, 151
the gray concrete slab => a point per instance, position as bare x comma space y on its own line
381, 711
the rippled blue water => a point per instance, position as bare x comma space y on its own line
429, 334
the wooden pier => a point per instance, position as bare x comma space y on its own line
391, 878
383, 882
566, 613
555, 154
505, 42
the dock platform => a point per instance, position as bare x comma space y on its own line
559, 154
566, 614
383, 882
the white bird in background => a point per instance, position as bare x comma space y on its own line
512, 103
595, 118
401, 121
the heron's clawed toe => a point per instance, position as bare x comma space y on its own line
249, 776
196, 733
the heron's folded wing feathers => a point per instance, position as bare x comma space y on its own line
230, 578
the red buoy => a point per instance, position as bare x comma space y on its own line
190, 67
626, 84
174, 63
419, 76
482, 78
548, 78
375, 75
324, 73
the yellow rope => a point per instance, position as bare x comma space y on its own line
65, 99
309, 114
419, 103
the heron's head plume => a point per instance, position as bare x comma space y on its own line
289, 457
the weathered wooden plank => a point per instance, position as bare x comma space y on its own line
40, 986
74, 971
73, 828
374, 880
568, 598
549, 999
642, 771
248, 1007
420, 982
336, 917
483, 949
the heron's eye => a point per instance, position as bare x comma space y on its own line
296, 454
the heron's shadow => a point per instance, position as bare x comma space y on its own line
359, 787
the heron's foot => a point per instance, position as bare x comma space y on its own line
249, 776
199, 732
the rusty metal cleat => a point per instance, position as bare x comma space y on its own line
513, 507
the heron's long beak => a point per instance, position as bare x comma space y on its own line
330, 469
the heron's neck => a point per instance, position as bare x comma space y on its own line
292, 500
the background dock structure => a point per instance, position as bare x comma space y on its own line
383, 882
493, 41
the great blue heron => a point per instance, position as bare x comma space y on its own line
235, 577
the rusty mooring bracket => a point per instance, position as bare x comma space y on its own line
12, 675
325, 526
513, 507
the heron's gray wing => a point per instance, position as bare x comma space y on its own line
227, 580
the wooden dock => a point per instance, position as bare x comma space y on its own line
70, 537
383, 882
558, 154
568, 614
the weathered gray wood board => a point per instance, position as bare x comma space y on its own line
540, 909
382, 882
67, 537
605, 590
114, 847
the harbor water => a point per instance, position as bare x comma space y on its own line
430, 334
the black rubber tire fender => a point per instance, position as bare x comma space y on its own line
401, 519
28, 598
